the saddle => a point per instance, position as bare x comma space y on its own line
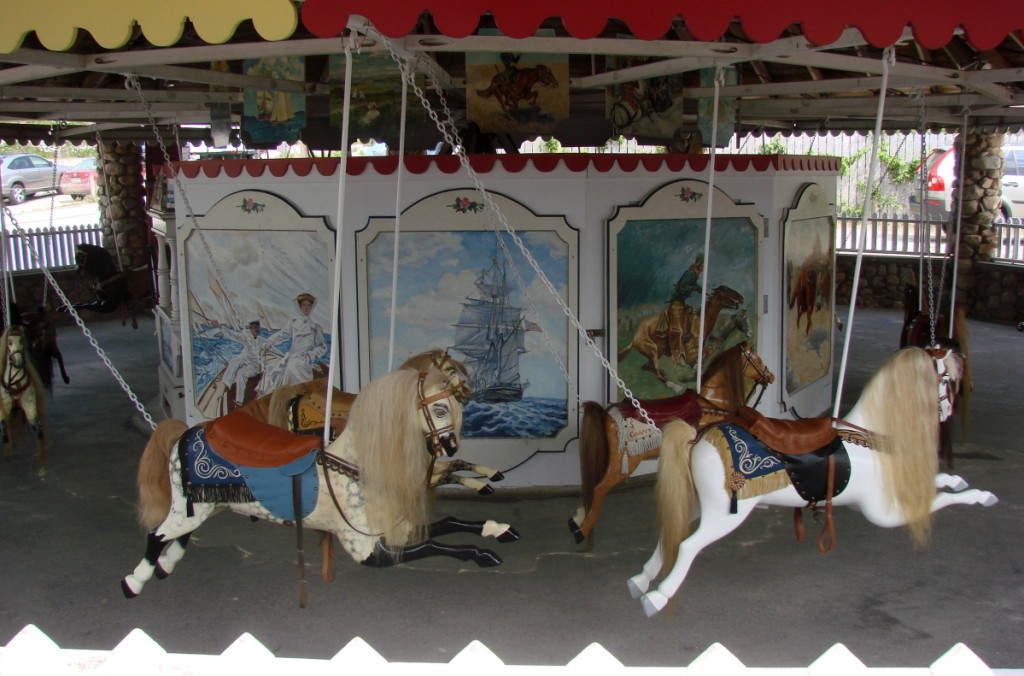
244, 440
814, 458
685, 406
790, 437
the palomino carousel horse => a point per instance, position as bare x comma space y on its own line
42, 342
614, 441
20, 386
651, 338
115, 290
917, 331
300, 408
880, 460
511, 86
367, 487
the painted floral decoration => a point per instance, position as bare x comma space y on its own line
251, 206
465, 205
690, 195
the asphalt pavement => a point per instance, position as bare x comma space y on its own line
68, 539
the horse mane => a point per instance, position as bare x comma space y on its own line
390, 451
30, 369
901, 409
726, 371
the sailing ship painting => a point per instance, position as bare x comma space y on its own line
491, 334
459, 289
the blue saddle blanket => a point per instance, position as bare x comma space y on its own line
209, 477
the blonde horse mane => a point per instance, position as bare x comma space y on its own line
37, 383
390, 450
674, 489
901, 404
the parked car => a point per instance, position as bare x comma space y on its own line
940, 170
80, 180
937, 178
1013, 182
25, 175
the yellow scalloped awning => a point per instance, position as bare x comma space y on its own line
111, 22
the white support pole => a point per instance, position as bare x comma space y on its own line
398, 218
959, 219
719, 76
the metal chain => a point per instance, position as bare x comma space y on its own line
131, 81
81, 324
446, 130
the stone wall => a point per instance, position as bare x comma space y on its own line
999, 288
123, 204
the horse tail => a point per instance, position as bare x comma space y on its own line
593, 449
485, 93
625, 351
154, 477
674, 489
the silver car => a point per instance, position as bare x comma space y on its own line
25, 175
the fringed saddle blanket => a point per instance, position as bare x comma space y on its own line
636, 437
207, 476
752, 469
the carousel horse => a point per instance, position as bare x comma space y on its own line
42, 343
367, 487
115, 290
300, 408
511, 86
20, 386
916, 331
651, 338
614, 440
880, 460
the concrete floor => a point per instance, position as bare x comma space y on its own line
68, 539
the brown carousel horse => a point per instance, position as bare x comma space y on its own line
802, 291
613, 440
116, 290
651, 338
917, 332
511, 86
20, 386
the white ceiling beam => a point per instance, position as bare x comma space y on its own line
119, 94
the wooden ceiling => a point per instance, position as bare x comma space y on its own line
786, 85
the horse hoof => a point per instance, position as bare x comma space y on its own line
497, 476
487, 489
989, 500
488, 559
637, 586
510, 535
577, 534
653, 603
127, 590
67, 381
159, 573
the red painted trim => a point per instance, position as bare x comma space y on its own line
512, 164
986, 22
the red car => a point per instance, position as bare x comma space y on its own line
81, 180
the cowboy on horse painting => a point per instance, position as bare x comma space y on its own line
687, 284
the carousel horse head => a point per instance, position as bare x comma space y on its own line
949, 365
15, 347
455, 372
94, 260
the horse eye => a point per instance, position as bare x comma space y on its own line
440, 411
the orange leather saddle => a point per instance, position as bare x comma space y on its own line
244, 440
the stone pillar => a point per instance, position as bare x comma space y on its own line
122, 204
983, 170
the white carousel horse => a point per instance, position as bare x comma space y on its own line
368, 487
893, 483
20, 385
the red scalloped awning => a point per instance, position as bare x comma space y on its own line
449, 164
985, 22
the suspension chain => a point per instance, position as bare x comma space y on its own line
447, 129
81, 324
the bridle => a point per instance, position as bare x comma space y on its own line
454, 379
947, 381
440, 440
764, 376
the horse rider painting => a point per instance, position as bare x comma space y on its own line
249, 362
308, 346
676, 314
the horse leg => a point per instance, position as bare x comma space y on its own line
502, 532
640, 583
56, 355
950, 482
171, 555
612, 478
131, 585
971, 496
714, 525
383, 557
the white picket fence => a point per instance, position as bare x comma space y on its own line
902, 235
55, 247
32, 652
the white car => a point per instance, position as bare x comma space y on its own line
940, 171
